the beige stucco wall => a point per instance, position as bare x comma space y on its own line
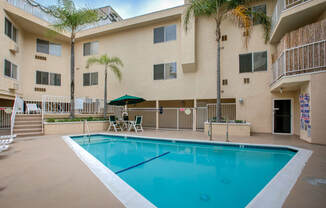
318, 112
73, 127
234, 130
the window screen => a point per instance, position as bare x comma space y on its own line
14, 34
94, 48
55, 79
245, 63
159, 35
260, 61
86, 79
8, 28
170, 32
45, 78
7, 68
55, 49
158, 71
87, 49
42, 46
14, 71
38, 77
94, 78
171, 71
258, 9
91, 48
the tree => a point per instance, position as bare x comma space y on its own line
113, 63
235, 10
70, 19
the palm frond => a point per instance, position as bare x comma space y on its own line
265, 21
115, 60
92, 61
116, 71
242, 18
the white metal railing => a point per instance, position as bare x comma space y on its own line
281, 6
5, 117
301, 59
36, 11
13, 114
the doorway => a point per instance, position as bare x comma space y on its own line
282, 116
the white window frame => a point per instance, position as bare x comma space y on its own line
90, 49
4, 74
253, 63
12, 30
164, 72
90, 79
50, 43
49, 78
164, 33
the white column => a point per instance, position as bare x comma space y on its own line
194, 116
157, 113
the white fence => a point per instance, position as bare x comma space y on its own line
5, 117
302, 59
281, 6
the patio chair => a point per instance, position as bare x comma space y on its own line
125, 122
8, 139
3, 147
32, 108
114, 124
137, 124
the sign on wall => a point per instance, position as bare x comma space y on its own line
305, 122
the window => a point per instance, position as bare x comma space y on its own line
165, 71
90, 48
46, 78
258, 9
253, 62
10, 30
10, 70
43, 46
90, 79
164, 34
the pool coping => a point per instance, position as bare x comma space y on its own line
273, 195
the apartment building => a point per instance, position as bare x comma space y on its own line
277, 86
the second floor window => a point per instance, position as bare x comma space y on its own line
253, 62
10, 70
90, 79
47, 78
258, 9
164, 34
44, 46
165, 71
10, 30
90, 48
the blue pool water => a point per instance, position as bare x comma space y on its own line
185, 174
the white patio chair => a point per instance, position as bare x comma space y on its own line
3, 147
32, 108
137, 124
8, 139
113, 124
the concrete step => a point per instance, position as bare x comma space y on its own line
28, 119
29, 134
28, 130
28, 126
23, 122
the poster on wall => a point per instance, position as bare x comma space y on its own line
305, 113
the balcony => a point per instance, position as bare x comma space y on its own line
39, 11
291, 14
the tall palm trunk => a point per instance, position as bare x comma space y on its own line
72, 78
218, 70
105, 90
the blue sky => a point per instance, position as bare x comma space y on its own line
126, 8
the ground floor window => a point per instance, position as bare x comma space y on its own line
165, 71
90, 79
48, 78
10, 70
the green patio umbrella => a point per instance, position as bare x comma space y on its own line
126, 99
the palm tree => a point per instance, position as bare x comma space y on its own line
70, 19
113, 63
236, 10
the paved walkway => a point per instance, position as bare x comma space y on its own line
44, 172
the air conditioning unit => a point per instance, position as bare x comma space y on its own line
14, 86
14, 49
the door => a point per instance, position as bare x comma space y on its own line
282, 116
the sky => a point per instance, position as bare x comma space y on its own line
125, 8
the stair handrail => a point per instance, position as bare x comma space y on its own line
13, 116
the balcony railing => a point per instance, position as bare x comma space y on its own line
37, 12
281, 6
302, 59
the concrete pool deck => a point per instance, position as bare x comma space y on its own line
45, 172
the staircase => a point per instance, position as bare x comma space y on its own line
28, 125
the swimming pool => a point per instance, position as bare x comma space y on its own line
175, 173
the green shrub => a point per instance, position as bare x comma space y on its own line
50, 120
